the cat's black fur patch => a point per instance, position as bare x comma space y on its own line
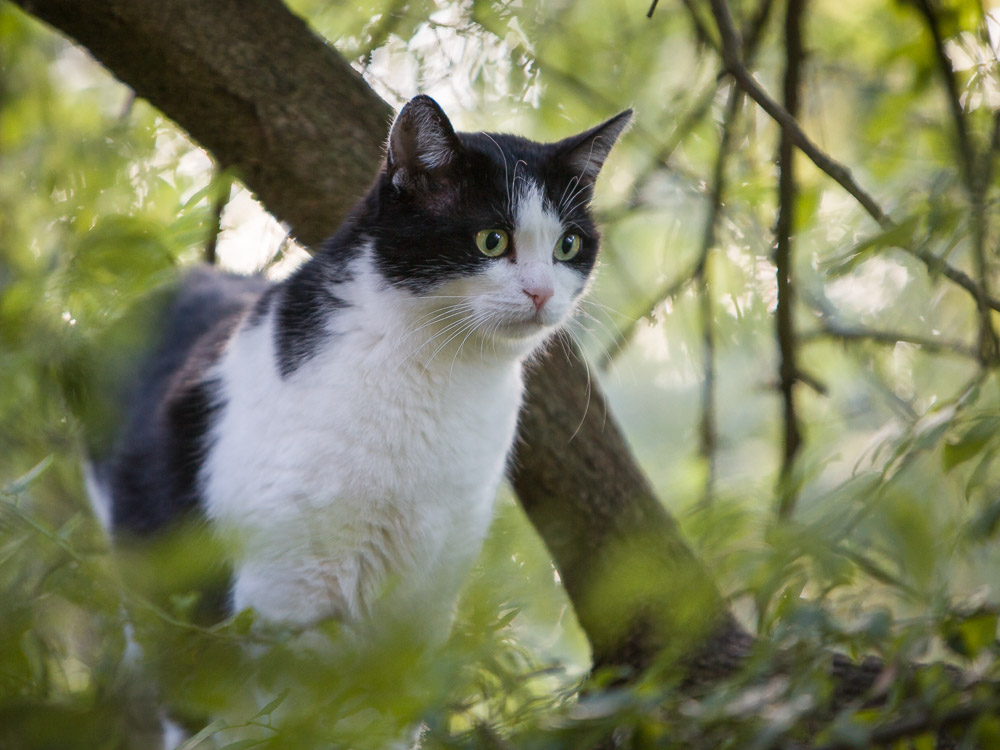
304, 302
152, 474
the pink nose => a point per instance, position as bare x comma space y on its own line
539, 295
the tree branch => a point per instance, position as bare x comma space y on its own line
989, 345
731, 56
890, 338
297, 124
922, 723
604, 526
966, 151
708, 442
784, 326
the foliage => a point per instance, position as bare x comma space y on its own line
890, 546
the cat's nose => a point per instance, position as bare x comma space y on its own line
539, 295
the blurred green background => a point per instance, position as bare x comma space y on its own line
891, 546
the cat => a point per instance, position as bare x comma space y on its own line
345, 431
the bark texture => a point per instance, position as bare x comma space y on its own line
635, 585
250, 82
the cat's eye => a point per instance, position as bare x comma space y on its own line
492, 242
568, 246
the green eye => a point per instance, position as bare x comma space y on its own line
492, 242
568, 246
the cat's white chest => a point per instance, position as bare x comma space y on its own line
360, 472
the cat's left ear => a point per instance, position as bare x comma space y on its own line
584, 154
421, 141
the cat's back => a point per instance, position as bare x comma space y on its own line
144, 478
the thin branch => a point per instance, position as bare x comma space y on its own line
839, 173
784, 325
731, 57
708, 432
963, 139
888, 338
753, 33
938, 265
701, 29
994, 150
379, 33
666, 292
989, 345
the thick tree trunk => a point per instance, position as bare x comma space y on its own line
250, 82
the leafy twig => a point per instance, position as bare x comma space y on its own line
966, 151
731, 56
730, 51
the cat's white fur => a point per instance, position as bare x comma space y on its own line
374, 486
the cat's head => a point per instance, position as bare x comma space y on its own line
494, 231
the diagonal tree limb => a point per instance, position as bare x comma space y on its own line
263, 94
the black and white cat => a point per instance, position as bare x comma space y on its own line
346, 430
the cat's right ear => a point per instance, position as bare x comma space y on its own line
422, 142
585, 153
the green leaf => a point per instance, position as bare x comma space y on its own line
244, 621
961, 447
270, 706
67, 529
973, 634
899, 235
987, 731
22, 483
984, 525
209, 731
980, 476
507, 618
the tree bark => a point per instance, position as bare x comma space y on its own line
251, 83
